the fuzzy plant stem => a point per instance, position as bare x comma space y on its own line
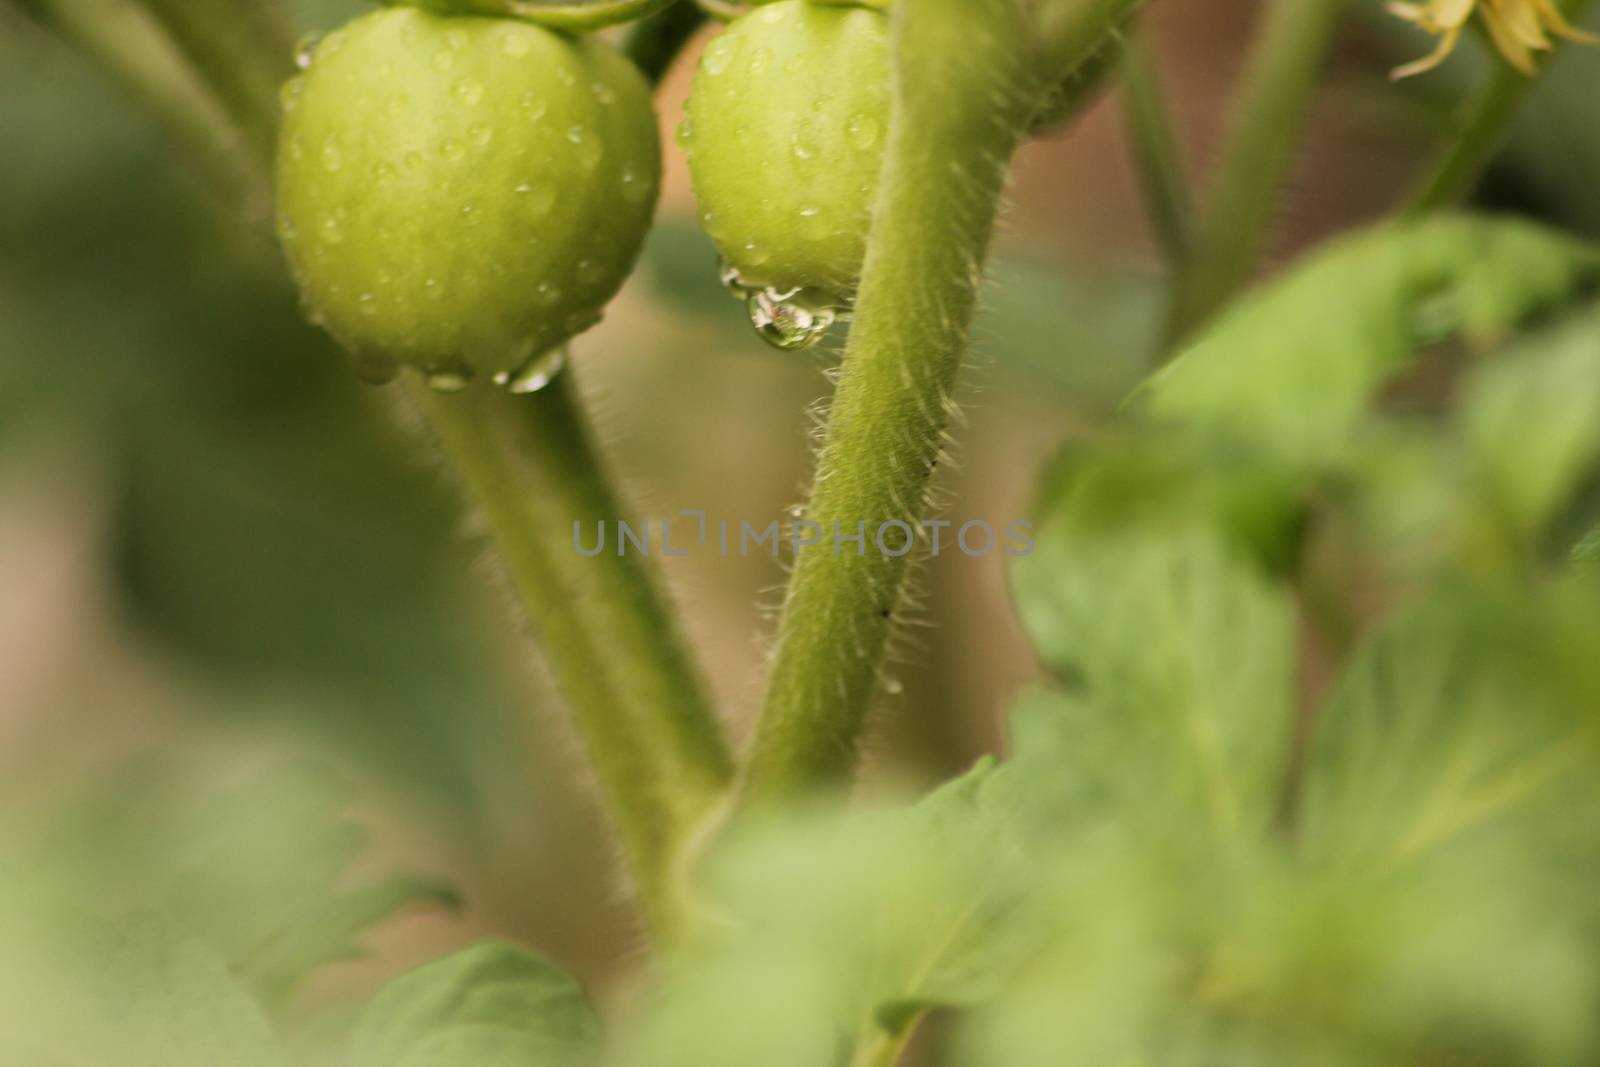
1480, 130
963, 94
125, 41
1155, 150
1267, 117
611, 641
610, 637
243, 50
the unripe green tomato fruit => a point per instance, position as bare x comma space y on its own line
463, 194
785, 134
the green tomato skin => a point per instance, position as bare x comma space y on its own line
785, 134
463, 194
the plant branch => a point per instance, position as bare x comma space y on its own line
127, 43
1155, 150
244, 50
1267, 116
611, 641
969, 79
608, 632
1480, 130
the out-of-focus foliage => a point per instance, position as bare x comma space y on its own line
270, 528
1199, 852
490, 1005
148, 929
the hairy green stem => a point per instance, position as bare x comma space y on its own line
970, 76
1479, 132
611, 639
125, 41
1155, 150
1267, 116
243, 49
612, 643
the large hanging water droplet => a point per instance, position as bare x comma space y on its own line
733, 281
451, 376
536, 374
305, 50
791, 319
376, 370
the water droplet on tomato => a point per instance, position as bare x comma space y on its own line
864, 131
535, 374
514, 41
305, 50
719, 54
791, 319
451, 376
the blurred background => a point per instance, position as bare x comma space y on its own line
221, 556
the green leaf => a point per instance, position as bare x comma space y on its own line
1531, 420
1473, 714
258, 872
837, 931
135, 992
1294, 368
490, 1005
1151, 591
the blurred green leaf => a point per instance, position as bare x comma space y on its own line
490, 1005
1149, 591
258, 872
1532, 421
1294, 367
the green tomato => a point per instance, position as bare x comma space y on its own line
785, 134
461, 194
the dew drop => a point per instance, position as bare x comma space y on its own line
451, 376
535, 374
332, 230
468, 92
514, 42
685, 132
456, 39
452, 150
384, 173
546, 294
305, 50
368, 304
289, 95
604, 94
443, 59
719, 54
534, 105
310, 312
481, 136
864, 131
376, 370
412, 160
332, 153
791, 319
893, 687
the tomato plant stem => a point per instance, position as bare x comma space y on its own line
653, 43
605, 626
1480, 130
969, 78
1267, 116
244, 51
127, 43
1155, 150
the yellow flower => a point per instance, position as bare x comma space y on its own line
1519, 28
